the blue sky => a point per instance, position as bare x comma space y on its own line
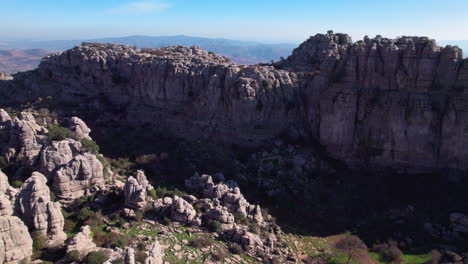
259, 20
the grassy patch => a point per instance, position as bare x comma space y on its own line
407, 258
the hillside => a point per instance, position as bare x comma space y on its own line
12, 61
344, 152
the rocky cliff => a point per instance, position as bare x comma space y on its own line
380, 102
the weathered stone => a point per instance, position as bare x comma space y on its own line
155, 254
129, 257
34, 207
330, 89
135, 191
82, 242
80, 128
16, 241
84, 173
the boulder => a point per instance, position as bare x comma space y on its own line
80, 128
82, 242
135, 191
155, 254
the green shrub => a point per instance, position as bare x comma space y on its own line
214, 226
166, 221
235, 249
69, 226
84, 214
218, 255
389, 252
254, 228
152, 193
75, 255
82, 200
17, 183
90, 146
201, 242
57, 133
3, 163
52, 196
39, 244
96, 257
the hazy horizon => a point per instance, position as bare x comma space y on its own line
272, 21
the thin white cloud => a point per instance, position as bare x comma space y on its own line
140, 7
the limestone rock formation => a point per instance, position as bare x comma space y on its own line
16, 241
21, 138
83, 174
34, 207
129, 257
74, 171
135, 191
155, 254
80, 128
224, 195
363, 101
177, 209
82, 242
58, 154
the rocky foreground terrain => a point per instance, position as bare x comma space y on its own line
200, 160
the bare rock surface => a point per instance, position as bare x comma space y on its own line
80, 128
363, 101
16, 242
82, 242
34, 207
155, 254
135, 191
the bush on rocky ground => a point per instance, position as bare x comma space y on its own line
388, 251
57, 133
201, 242
235, 249
96, 257
214, 226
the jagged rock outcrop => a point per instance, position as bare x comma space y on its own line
34, 207
177, 209
226, 196
80, 128
82, 242
155, 254
129, 257
73, 170
363, 101
135, 191
83, 174
16, 242
5, 77
21, 138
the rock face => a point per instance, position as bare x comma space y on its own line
83, 174
80, 128
364, 101
155, 254
135, 191
73, 170
82, 242
226, 198
33, 205
16, 241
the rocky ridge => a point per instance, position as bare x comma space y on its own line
363, 101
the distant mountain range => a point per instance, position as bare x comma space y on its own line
242, 52
20, 60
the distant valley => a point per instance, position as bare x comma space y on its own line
25, 55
